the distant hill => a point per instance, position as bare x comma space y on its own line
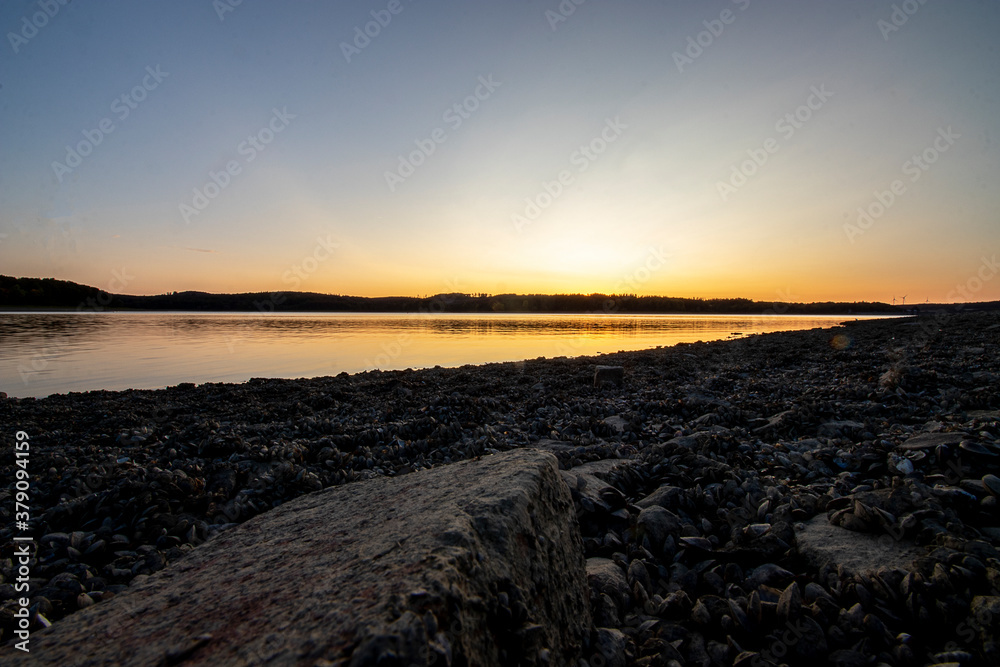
46, 293
51, 293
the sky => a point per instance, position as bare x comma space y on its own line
774, 150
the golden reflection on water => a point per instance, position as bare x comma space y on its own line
44, 353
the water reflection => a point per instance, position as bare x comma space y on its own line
43, 353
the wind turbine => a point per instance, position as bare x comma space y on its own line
904, 299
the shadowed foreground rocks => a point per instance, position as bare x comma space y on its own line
476, 563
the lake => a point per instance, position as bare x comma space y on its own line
56, 352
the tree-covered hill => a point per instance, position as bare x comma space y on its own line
51, 293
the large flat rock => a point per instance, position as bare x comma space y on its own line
821, 543
475, 563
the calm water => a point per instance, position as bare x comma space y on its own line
45, 353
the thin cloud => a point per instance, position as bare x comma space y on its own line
180, 247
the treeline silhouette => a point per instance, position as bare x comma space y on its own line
51, 293
44, 293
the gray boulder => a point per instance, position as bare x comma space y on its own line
478, 563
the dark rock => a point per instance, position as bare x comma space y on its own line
769, 574
847, 658
668, 497
811, 639
606, 577
611, 374
657, 524
611, 645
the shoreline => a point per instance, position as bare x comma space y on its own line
125, 483
28, 310
512, 338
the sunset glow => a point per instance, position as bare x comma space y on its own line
773, 151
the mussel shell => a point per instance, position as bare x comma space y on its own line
975, 448
992, 484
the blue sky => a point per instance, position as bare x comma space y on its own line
598, 144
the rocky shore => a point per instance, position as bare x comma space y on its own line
818, 497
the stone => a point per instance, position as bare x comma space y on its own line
611, 645
769, 574
613, 374
585, 484
778, 422
861, 553
838, 429
668, 497
617, 423
606, 578
407, 570
600, 467
606, 612
657, 523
